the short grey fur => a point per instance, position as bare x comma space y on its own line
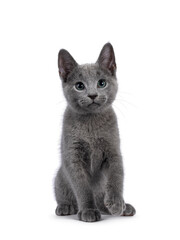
89, 181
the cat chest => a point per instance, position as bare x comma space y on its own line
90, 152
93, 138
91, 145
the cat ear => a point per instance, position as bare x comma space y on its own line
66, 63
107, 58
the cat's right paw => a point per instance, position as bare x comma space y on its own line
65, 209
89, 215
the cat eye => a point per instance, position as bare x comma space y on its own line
79, 86
101, 83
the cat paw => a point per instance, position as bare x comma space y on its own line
129, 211
89, 215
115, 205
65, 209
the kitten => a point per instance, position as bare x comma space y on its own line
90, 179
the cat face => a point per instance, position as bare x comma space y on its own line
89, 88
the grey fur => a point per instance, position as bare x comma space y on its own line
90, 179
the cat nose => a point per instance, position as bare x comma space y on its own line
92, 96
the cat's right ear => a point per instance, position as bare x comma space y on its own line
66, 64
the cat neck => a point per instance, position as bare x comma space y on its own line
105, 115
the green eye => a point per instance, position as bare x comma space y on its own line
79, 86
101, 83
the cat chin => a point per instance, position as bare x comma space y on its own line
93, 108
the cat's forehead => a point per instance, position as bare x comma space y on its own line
89, 70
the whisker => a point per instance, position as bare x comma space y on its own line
123, 104
119, 110
121, 99
128, 93
60, 102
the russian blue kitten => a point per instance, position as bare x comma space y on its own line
90, 179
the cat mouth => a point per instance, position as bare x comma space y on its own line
93, 104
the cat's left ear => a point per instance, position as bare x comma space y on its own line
106, 58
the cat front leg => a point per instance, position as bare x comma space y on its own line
78, 177
114, 186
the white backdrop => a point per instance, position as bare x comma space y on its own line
146, 40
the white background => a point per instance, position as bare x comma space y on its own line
146, 40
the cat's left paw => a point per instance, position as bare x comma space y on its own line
115, 205
129, 211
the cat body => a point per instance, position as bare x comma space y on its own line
90, 179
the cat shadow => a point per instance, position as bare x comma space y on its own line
74, 217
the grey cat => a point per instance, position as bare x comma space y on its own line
90, 179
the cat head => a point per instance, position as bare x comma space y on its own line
89, 88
